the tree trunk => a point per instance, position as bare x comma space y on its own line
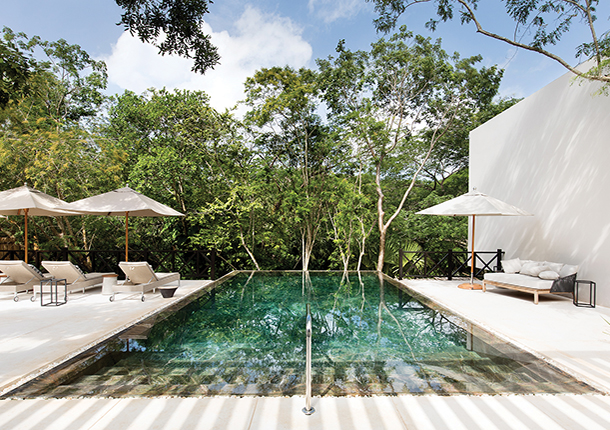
243, 243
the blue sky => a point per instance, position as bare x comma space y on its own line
265, 33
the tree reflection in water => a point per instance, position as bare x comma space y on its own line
369, 337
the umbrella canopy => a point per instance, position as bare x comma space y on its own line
122, 202
119, 201
26, 201
474, 204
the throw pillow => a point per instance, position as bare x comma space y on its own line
549, 274
555, 267
533, 269
511, 266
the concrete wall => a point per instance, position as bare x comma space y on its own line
549, 155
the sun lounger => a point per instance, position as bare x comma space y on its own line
21, 277
141, 278
75, 278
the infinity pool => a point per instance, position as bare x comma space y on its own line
247, 337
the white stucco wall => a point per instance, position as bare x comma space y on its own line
549, 155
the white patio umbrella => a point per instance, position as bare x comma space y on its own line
122, 202
26, 201
474, 204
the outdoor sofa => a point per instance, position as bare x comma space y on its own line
141, 278
20, 277
535, 277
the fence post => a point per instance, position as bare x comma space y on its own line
213, 268
425, 264
64, 254
450, 265
499, 258
400, 251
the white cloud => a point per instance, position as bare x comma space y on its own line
259, 40
332, 10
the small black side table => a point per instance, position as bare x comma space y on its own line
592, 294
53, 283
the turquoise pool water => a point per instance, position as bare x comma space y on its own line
247, 337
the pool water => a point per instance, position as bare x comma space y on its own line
370, 336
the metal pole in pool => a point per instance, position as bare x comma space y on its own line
308, 410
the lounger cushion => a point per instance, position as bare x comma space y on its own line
138, 272
64, 270
519, 279
511, 266
21, 272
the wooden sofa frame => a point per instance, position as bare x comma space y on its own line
562, 285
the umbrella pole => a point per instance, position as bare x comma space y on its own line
26, 236
126, 236
471, 285
472, 254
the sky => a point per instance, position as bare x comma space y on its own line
251, 35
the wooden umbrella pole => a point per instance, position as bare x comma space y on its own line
26, 235
471, 285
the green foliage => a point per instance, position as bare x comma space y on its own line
283, 189
404, 106
294, 143
45, 143
538, 26
174, 26
15, 68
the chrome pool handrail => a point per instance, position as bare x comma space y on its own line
308, 410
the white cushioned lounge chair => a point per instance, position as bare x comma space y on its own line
141, 278
20, 277
75, 278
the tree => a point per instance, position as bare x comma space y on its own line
538, 26
292, 138
173, 26
63, 89
15, 68
43, 139
398, 101
182, 152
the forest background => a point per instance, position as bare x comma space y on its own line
324, 171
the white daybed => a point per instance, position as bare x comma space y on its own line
535, 277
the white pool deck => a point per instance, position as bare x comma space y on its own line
32, 338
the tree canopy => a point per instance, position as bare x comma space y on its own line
325, 170
174, 26
539, 25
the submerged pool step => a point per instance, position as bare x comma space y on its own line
146, 377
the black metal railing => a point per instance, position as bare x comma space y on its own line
191, 264
450, 264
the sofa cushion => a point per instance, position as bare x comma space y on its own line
511, 266
548, 274
520, 280
568, 270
